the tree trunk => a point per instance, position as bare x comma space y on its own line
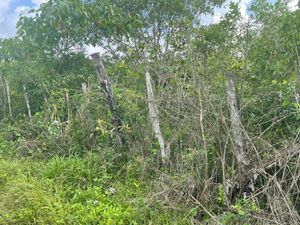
68, 106
85, 92
238, 136
27, 103
47, 108
8, 99
107, 92
203, 137
3, 97
297, 83
154, 119
47, 104
84, 87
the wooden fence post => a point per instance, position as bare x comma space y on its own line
108, 95
236, 125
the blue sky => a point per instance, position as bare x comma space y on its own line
10, 10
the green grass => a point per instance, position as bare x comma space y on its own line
75, 190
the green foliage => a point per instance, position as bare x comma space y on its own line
55, 192
244, 208
65, 165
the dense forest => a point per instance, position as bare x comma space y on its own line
177, 119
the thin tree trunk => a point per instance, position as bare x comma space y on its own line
206, 63
154, 119
203, 136
47, 108
297, 83
238, 136
8, 98
27, 103
47, 104
68, 106
85, 93
2, 105
84, 87
107, 92
3, 97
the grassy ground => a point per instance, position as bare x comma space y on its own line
77, 190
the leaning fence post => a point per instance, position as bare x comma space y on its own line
108, 94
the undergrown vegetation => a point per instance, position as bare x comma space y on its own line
176, 121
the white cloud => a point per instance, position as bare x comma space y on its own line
89, 49
21, 9
293, 5
38, 2
9, 19
219, 12
4, 6
216, 18
243, 4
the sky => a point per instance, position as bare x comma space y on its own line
9, 13
11, 9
